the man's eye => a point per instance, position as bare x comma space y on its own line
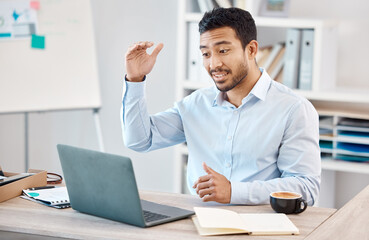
224, 50
205, 54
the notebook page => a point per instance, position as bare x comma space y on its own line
219, 218
269, 223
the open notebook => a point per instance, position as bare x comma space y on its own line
215, 221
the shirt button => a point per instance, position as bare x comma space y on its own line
228, 165
235, 112
229, 137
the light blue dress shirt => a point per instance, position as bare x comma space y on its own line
269, 143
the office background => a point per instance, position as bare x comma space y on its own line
118, 24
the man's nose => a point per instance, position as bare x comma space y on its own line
215, 62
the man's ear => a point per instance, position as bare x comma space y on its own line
252, 49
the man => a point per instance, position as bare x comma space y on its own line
247, 137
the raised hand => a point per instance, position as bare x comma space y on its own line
213, 187
138, 62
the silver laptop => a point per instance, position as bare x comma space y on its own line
104, 185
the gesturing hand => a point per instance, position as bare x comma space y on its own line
213, 187
138, 62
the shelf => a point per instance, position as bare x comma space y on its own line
337, 95
352, 128
326, 150
352, 140
344, 166
326, 138
275, 22
292, 22
348, 113
352, 153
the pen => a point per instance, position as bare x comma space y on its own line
39, 188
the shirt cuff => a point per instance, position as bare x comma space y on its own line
237, 192
134, 89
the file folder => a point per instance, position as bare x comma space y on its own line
292, 56
194, 54
306, 64
196, 70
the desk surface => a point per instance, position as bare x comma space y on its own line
349, 222
33, 218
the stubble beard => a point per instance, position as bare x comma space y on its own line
242, 70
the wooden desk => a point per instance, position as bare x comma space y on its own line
33, 218
349, 222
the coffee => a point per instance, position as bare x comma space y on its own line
289, 195
287, 202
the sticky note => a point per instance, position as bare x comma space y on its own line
38, 41
35, 5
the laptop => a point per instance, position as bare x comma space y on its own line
104, 185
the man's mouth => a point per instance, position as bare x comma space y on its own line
219, 76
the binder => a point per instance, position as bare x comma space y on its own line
306, 64
224, 3
209, 4
203, 5
196, 70
194, 53
292, 56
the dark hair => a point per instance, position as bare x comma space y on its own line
239, 20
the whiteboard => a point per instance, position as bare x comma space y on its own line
61, 76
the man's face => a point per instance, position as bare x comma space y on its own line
224, 58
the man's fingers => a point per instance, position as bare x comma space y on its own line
204, 178
195, 184
144, 45
203, 185
157, 50
140, 46
209, 197
201, 179
131, 49
205, 191
207, 169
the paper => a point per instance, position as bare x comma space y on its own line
215, 221
52, 196
38, 42
18, 20
35, 5
264, 223
219, 218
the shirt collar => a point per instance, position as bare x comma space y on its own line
260, 89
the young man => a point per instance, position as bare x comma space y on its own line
247, 136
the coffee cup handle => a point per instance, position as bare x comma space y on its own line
298, 206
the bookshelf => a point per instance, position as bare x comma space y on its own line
324, 93
344, 136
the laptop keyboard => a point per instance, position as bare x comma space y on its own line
151, 216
